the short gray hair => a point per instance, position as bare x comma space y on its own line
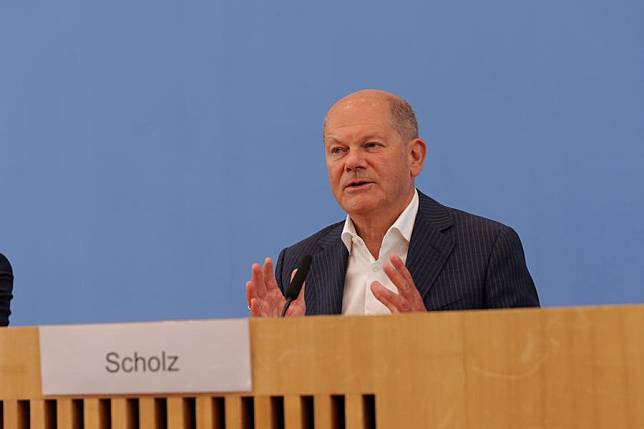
403, 119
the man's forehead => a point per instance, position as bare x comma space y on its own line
358, 111
360, 103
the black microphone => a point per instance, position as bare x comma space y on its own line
293, 289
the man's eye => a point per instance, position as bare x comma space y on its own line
337, 150
372, 145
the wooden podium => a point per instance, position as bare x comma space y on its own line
551, 368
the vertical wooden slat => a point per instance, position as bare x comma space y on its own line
181, 413
205, 413
37, 413
355, 412
293, 417
323, 412
264, 418
9, 413
64, 413
66, 416
234, 415
94, 414
269, 412
175, 413
42, 414
125, 413
148, 413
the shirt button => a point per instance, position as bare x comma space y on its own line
375, 268
354, 240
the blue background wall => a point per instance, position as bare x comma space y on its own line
151, 151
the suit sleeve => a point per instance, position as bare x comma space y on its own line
279, 268
508, 282
6, 287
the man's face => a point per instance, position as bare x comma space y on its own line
371, 170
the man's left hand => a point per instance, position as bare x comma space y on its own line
407, 299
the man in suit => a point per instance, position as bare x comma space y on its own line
6, 286
398, 250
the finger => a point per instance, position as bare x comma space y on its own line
269, 275
250, 292
410, 292
399, 265
257, 277
390, 299
397, 279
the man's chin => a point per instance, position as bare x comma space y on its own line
359, 206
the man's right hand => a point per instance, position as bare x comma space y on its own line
264, 297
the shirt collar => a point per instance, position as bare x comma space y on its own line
404, 224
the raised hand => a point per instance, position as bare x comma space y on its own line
407, 299
264, 297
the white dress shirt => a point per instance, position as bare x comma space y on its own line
363, 268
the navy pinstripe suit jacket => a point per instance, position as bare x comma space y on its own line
457, 260
6, 286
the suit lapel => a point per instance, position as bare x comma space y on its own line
429, 247
429, 250
325, 283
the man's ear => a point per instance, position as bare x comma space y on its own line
417, 151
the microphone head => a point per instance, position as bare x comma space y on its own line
293, 289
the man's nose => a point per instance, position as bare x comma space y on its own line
354, 160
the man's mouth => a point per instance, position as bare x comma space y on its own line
358, 184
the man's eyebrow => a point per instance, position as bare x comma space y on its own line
331, 139
374, 135
371, 135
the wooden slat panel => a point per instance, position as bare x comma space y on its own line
234, 415
65, 415
42, 414
123, 414
148, 413
293, 412
354, 412
322, 412
205, 413
178, 413
263, 417
94, 415
37, 413
264, 413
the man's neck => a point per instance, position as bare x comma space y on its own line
373, 227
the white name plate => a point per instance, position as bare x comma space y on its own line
136, 358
